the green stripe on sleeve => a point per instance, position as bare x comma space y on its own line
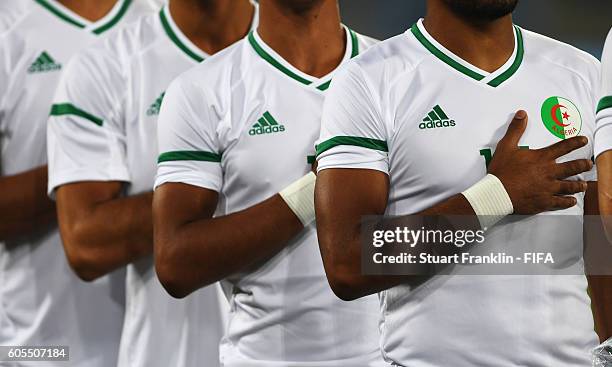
354, 141
604, 104
186, 155
64, 109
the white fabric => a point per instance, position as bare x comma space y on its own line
238, 125
603, 135
299, 196
490, 201
41, 301
384, 100
122, 82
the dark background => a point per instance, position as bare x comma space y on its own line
583, 24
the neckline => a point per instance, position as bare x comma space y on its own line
493, 79
182, 41
278, 62
98, 27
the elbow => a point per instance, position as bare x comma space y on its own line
170, 275
84, 263
345, 285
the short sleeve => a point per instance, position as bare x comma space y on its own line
353, 130
12, 56
86, 138
603, 132
188, 140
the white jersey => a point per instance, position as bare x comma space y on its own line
41, 301
413, 110
243, 124
603, 135
10, 11
111, 95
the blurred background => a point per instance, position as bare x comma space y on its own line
582, 23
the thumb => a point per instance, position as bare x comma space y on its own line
515, 131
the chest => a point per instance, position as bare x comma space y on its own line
268, 140
445, 134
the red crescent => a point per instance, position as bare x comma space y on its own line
553, 113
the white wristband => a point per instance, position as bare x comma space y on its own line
299, 196
490, 201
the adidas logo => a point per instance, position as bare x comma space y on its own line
156, 106
436, 118
44, 63
266, 125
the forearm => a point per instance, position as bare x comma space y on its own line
109, 235
24, 205
207, 250
600, 289
350, 283
604, 172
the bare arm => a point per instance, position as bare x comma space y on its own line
600, 286
604, 172
339, 212
24, 205
102, 231
193, 250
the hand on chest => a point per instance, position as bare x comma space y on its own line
454, 139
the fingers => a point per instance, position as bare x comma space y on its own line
570, 187
572, 168
515, 131
562, 202
566, 146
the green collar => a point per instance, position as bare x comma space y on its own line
177, 37
494, 79
99, 27
322, 84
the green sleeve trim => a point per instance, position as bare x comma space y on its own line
604, 104
64, 109
187, 155
368, 143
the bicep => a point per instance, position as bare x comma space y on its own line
343, 197
75, 201
604, 172
177, 204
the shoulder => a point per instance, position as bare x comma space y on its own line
13, 50
542, 49
378, 66
115, 52
217, 74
